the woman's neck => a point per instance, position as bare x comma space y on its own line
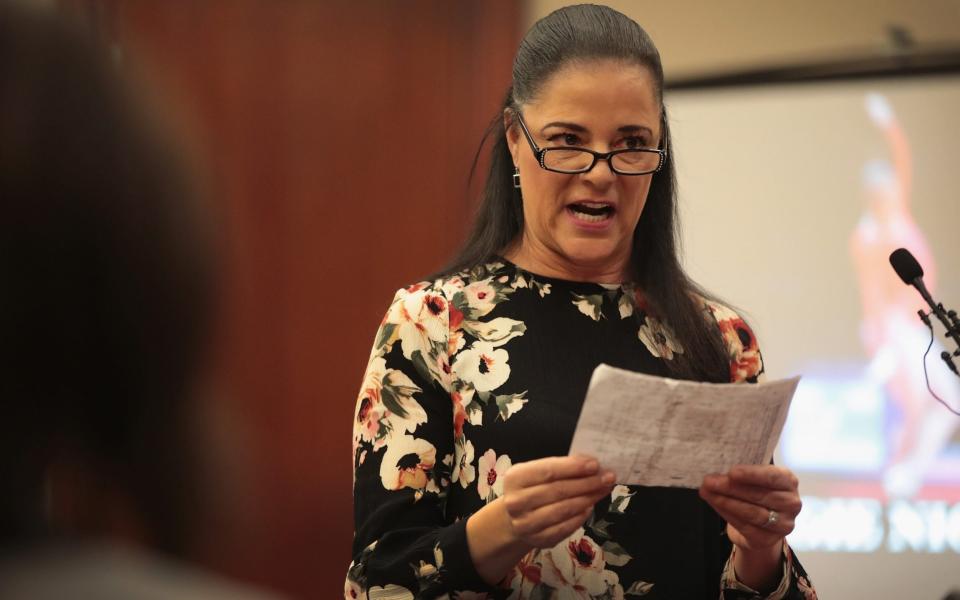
556, 266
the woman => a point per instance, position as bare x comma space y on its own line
476, 378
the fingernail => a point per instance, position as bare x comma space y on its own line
608, 477
591, 466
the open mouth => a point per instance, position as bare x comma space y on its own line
591, 212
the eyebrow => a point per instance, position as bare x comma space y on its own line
581, 129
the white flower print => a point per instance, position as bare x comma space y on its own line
625, 304
441, 369
385, 406
389, 592
481, 297
459, 413
482, 366
659, 339
491, 471
525, 576
496, 332
421, 319
451, 286
351, 590
577, 564
466, 408
408, 463
456, 342
720, 311
475, 414
620, 498
463, 470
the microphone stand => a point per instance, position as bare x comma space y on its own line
953, 331
949, 319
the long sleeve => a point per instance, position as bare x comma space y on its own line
746, 366
403, 452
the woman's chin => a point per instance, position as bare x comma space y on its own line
596, 255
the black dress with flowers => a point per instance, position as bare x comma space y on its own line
488, 368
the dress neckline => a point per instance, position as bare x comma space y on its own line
566, 283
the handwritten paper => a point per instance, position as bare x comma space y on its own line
663, 432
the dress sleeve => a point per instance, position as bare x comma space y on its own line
746, 366
403, 449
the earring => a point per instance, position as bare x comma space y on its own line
516, 178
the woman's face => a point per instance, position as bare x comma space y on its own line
581, 226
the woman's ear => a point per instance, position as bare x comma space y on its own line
513, 134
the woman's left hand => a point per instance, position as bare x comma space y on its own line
760, 504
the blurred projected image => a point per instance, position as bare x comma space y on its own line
891, 331
894, 449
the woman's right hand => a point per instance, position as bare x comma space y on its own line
543, 502
548, 499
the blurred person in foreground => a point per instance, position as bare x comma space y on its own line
107, 299
477, 376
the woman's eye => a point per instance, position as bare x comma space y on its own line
565, 139
635, 142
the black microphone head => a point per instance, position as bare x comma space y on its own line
905, 265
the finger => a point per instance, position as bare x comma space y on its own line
779, 500
756, 537
551, 536
525, 499
739, 513
545, 517
553, 468
769, 476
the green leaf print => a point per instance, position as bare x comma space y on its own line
589, 304
386, 334
509, 404
389, 396
639, 588
615, 554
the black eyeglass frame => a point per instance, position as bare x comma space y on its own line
540, 155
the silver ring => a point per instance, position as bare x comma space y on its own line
772, 518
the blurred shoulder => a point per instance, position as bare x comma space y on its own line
743, 350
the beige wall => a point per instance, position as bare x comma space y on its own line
696, 36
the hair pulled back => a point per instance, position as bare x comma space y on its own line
584, 33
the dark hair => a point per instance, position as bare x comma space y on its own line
108, 287
589, 32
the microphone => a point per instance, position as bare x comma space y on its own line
911, 273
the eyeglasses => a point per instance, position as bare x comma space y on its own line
570, 160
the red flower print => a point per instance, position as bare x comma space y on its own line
435, 304
456, 318
745, 360
582, 552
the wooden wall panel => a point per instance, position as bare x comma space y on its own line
339, 136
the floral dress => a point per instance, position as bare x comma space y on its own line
475, 372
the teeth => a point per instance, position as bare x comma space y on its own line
589, 218
594, 204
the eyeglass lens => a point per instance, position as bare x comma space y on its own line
574, 160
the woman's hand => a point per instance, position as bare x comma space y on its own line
760, 504
548, 499
543, 502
